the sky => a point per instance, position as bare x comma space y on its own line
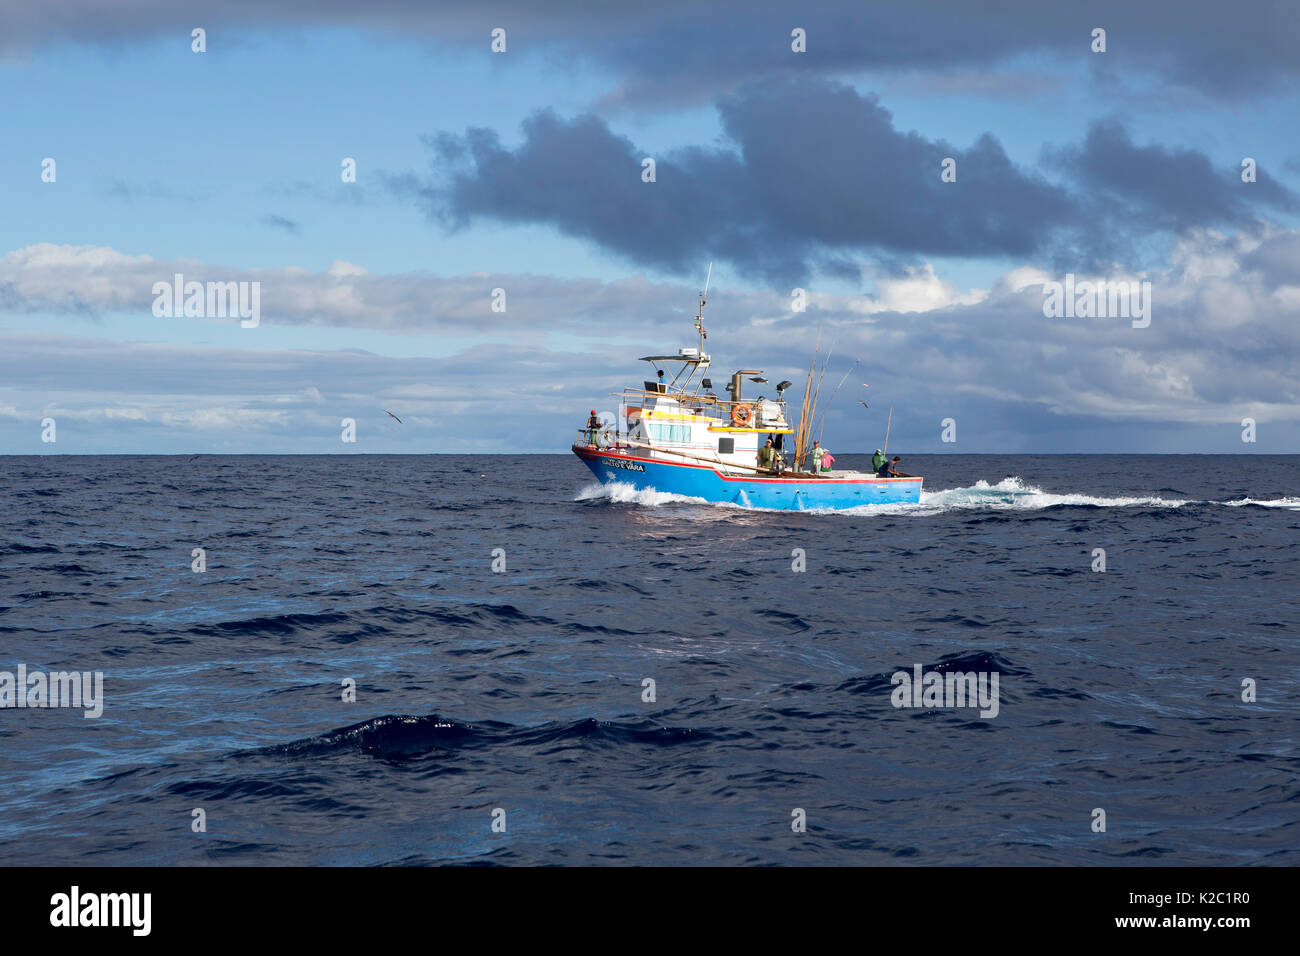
899, 182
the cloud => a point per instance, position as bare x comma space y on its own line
153, 190
113, 396
675, 51
811, 170
77, 279
1223, 344
95, 280
1165, 187
812, 175
336, 193
280, 222
919, 290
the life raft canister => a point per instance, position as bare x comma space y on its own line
742, 414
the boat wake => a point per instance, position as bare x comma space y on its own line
1009, 494
1012, 494
626, 494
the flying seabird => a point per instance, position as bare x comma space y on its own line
393, 417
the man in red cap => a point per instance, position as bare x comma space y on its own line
593, 429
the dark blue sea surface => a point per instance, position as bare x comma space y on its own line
523, 690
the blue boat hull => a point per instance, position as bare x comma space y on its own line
704, 481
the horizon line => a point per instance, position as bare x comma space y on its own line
539, 454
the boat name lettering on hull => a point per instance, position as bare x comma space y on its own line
625, 465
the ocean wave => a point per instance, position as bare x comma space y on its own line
1292, 503
281, 624
17, 547
403, 736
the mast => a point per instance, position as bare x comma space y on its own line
699, 319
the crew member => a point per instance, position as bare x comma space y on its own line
877, 460
765, 455
593, 429
889, 469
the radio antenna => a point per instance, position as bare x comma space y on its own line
699, 319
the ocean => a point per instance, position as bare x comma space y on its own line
548, 671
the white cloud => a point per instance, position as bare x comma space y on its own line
226, 419
1224, 343
921, 290
95, 280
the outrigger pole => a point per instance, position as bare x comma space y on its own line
821, 425
817, 392
885, 450
813, 411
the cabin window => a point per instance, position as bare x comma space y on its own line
726, 446
671, 434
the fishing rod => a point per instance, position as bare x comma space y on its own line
801, 434
812, 412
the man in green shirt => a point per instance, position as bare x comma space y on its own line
877, 460
765, 456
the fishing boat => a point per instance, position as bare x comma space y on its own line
679, 436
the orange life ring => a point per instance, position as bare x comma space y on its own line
742, 414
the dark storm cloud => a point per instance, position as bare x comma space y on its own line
678, 50
812, 169
1169, 188
812, 174
586, 181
